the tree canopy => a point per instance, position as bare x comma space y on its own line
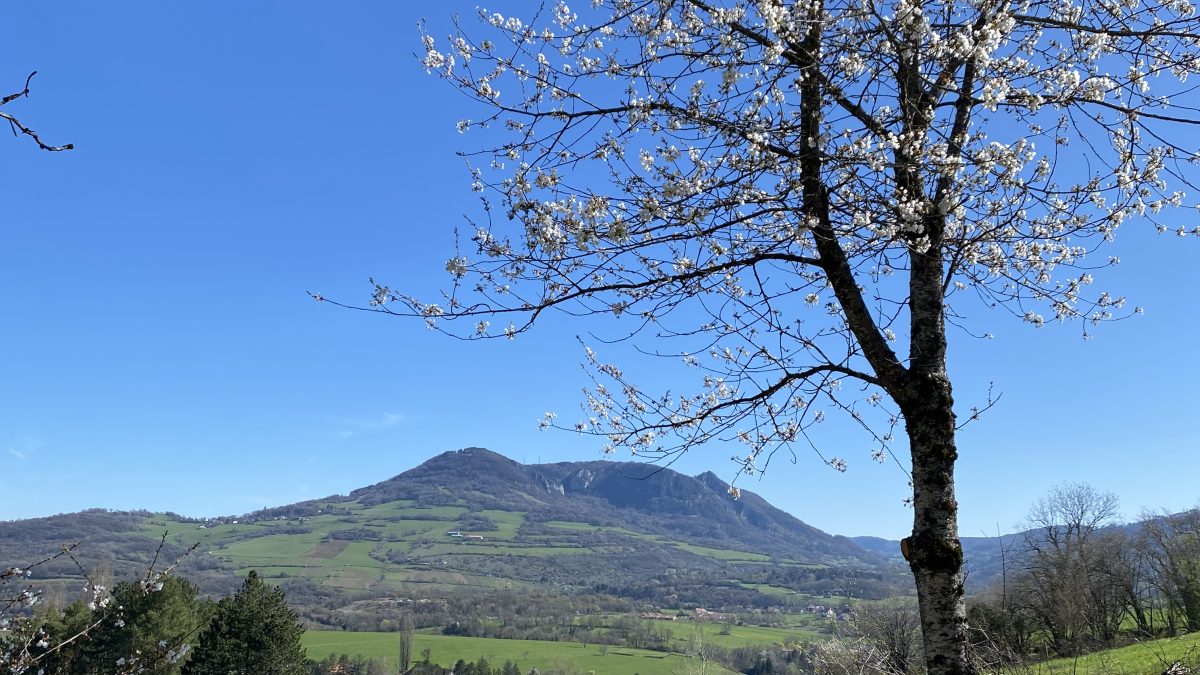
758, 184
147, 627
252, 633
796, 199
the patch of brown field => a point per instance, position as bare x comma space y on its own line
328, 549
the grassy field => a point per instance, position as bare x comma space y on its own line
717, 553
525, 653
1139, 659
775, 591
740, 636
389, 547
722, 554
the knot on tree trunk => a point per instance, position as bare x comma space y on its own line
924, 550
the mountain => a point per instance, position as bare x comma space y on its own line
616, 494
475, 522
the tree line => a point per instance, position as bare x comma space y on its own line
1074, 582
1080, 582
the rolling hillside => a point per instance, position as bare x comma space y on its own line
474, 522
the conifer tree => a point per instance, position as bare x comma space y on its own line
252, 633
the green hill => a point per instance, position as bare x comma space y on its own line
474, 524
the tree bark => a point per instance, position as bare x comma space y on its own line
935, 554
927, 402
923, 389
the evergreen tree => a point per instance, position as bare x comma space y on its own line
252, 633
150, 629
161, 624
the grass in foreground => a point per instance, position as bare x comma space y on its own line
1144, 658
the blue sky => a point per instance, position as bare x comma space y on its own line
159, 350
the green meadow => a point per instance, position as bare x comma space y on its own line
528, 654
743, 636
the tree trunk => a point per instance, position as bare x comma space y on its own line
934, 552
1138, 609
1190, 592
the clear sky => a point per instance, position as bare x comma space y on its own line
158, 349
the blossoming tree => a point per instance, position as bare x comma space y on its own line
797, 197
